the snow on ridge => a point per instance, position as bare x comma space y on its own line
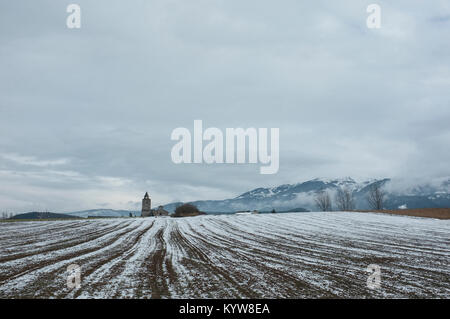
269, 192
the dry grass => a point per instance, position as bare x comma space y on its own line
439, 213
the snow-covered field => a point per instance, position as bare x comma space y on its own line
260, 256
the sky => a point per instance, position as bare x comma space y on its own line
86, 115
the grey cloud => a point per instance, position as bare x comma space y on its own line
102, 101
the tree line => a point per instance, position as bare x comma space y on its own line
344, 199
6, 215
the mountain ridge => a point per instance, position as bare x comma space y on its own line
286, 197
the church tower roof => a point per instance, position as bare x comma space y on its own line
146, 195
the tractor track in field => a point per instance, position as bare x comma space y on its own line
297, 255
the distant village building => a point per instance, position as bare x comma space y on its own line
147, 208
160, 211
247, 212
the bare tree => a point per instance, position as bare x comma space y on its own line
344, 199
6, 215
323, 201
375, 197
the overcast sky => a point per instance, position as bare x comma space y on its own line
86, 114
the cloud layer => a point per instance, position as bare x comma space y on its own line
86, 115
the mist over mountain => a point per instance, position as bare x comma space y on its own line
290, 196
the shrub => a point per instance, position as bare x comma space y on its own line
187, 210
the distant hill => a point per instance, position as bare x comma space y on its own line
42, 215
104, 213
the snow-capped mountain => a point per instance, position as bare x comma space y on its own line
302, 195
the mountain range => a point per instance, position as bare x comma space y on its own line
301, 196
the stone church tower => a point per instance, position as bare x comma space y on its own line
146, 206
